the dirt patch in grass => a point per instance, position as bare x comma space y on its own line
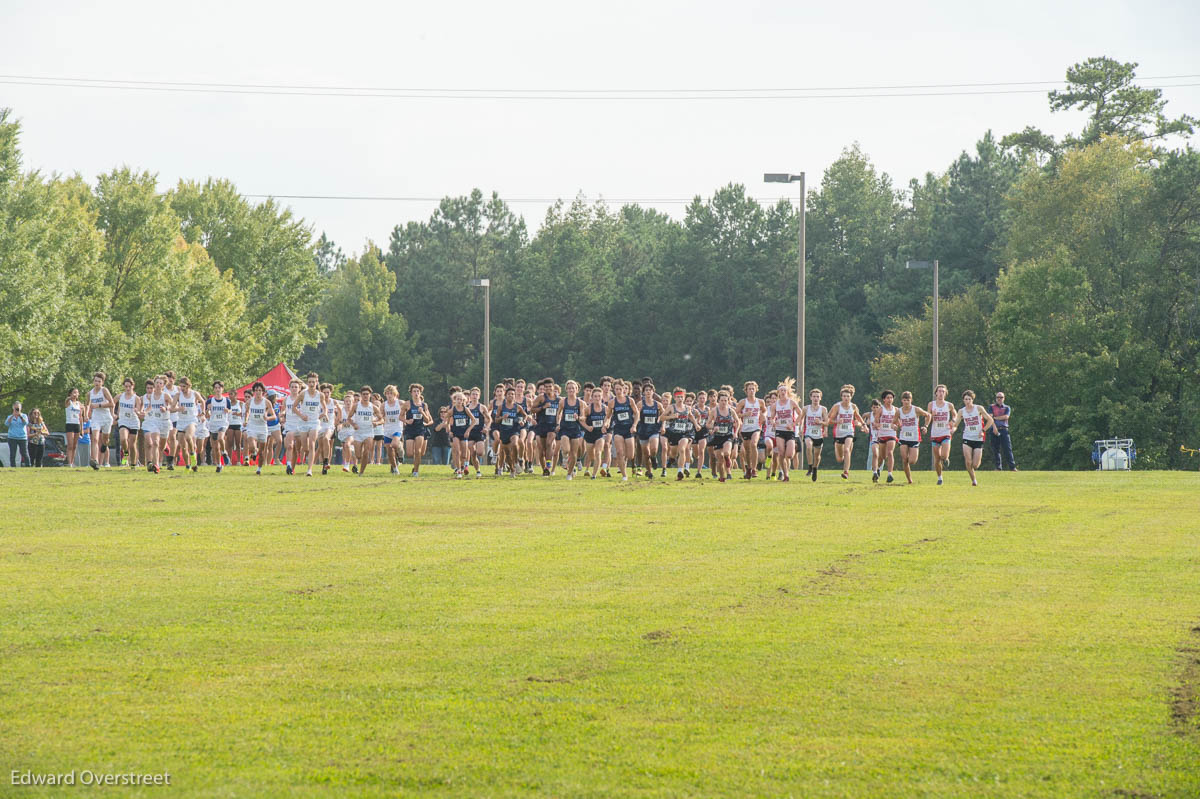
1185, 696
658, 635
534, 678
309, 591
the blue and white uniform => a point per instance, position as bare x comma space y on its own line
101, 419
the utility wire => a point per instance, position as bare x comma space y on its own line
622, 90
866, 92
507, 200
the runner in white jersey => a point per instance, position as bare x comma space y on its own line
188, 402
259, 411
200, 435
75, 415
172, 444
910, 433
325, 433
100, 419
129, 405
767, 442
816, 419
308, 406
873, 446
157, 406
887, 433
976, 421
234, 444
784, 415
366, 415
144, 438
345, 431
752, 411
941, 419
220, 412
844, 418
393, 427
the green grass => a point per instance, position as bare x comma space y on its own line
1038, 636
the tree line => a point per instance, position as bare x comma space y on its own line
1070, 278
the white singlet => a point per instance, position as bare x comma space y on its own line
188, 407
939, 426
844, 420
219, 410
783, 420
812, 421
392, 426
127, 410
972, 424
909, 425
888, 422
751, 416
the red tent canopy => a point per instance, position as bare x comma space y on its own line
276, 379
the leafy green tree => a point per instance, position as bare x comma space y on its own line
366, 342
964, 351
854, 285
270, 257
49, 264
960, 217
1116, 106
467, 237
1094, 317
327, 255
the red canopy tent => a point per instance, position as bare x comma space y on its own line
276, 379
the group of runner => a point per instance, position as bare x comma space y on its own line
591, 428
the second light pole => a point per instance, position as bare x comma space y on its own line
486, 285
784, 177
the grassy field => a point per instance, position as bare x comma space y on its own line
1038, 636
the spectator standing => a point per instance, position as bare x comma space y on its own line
1000, 440
18, 437
439, 441
37, 433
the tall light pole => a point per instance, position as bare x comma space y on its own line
926, 265
487, 332
784, 177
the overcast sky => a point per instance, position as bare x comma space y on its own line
544, 148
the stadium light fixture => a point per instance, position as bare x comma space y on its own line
486, 285
787, 177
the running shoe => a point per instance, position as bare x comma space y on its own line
678, 476
890, 478
324, 469
218, 468
874, 477
939, 481
94, 464
813, 472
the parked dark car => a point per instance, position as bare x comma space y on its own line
56, 450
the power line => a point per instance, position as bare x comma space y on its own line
504, 94
562, 90
507, 200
